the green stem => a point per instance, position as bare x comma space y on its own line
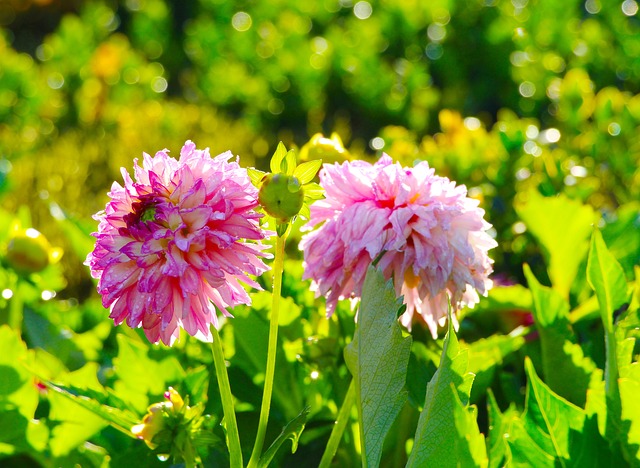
611, 364
278, 267
16, 309
339, 427
233, 439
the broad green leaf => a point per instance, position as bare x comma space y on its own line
470, 444
485, 357
553, 432
629, 385
91, 399
550, 419
523, 450
292, 431
436, 440
562, 228
606, 278
197, 384
75, 423
498, 427
377, 358
139, 375
419, 371
17, 385
610, 424
550, 309
566, 370
504, 298
306, 171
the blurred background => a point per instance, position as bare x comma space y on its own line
503, 96
534, 105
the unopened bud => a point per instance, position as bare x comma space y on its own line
281, 196
29, 252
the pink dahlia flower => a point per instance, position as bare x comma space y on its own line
171, 244
432, 238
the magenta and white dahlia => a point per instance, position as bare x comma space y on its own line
172, 243
433, 237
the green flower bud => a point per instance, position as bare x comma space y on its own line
281, 196
30, 252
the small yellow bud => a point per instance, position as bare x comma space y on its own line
30, 252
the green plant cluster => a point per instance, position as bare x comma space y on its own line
534, 105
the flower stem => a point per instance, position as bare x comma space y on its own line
278, 267
16, 308
233, 439
339, 427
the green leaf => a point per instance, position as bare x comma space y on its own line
306, 171
278, 158
17, 386
292, 431
498, 426
313, 191
91, 399
256, 176
197, 384
486, 356
549, 419
377, 358
566, 370
419, 371
610, 424
437, 440
606, 278
629, 385
523, 450
289, 164
553, 432
139, 375
470, 444
562, 227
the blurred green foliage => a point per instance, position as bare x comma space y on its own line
515, 99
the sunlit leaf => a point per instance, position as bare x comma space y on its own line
292, 431
256, 176
562, 227
566, 370
306, 171
486, 357
437, 440
471, 449
377, 358
606, 278
278, 158
498, 426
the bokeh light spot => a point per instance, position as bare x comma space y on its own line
241, 21
629, 7
362, 10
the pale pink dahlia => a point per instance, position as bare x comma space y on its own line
433, 237
171, 244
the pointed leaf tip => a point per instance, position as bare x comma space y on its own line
305, 172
